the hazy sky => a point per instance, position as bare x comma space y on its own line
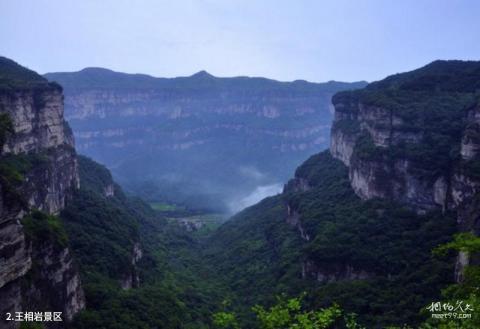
286, 40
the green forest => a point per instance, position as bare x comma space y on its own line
248, 272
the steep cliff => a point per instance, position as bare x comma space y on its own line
138, 269
38, 172
99, 211
414, 138
409, 137
201, 140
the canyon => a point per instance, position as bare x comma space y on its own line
355, 226
199, 139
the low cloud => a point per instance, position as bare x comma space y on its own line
260, 193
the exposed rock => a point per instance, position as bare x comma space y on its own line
383, 177
33, 274
462, 261
11, 300
132, 279
37, 117
332, 273
293, 218
298, 184
470, 148
15, 260
382, 132
56, 283
190, 224
109, 190
342, 145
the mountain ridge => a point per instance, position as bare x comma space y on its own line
163, 82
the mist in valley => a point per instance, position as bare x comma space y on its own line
259, 193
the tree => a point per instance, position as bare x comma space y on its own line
288, 314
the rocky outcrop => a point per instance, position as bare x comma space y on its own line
361, 136
41, 132
466, 181
15, 252
298, 184
37, 115
109, 190
56, 282
132, 279
40, 172
462, 261
294, 219
366, 137
338, 272
415, 139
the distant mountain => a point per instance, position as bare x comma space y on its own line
204, 141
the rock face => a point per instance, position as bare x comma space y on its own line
38, 120
132, 123
359, 125
57, 274
132, 279
293, 218
414, 139
310, 270
41, 150
386, 143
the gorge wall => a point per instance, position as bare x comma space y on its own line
38, 173
414, 139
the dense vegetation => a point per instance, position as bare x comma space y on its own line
175, 290
16, 77
43, 228
260, 256
288, 314
15, 167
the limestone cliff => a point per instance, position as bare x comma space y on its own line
402, 140
131, 278
38, 173
414, 138
100, 212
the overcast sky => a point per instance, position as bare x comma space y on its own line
286, 40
